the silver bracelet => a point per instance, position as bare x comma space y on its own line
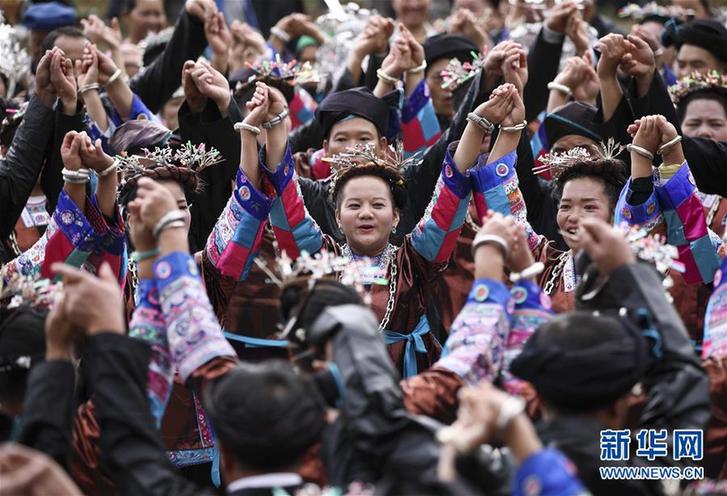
247, 127
516, 128
168, 218
669, 144
109, 169
486, 239
420, 68
481, 122
76, 177
534, 270
560, 87
639, 151
276, 31
511, 408
89, 87
75, 180
385, 77
276, 120
116, 75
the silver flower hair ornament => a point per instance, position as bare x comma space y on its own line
457, 73
557, 163
14, 60
193, 157
24, 290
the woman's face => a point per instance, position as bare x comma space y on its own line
367, 214
412, 13
349, 133
146, 16
705, 118
582, 197
178, 194
442, 99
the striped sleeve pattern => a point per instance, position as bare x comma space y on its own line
237, 235
419, 123
435, 237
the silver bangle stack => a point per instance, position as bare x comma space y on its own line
516, 128
80, 176
669, 144
534, 270
276, 31
170, 220
385, 77
420, 68
639, 151
89, 87
481, 122
247, 127
108, 170
489, 239
276, 120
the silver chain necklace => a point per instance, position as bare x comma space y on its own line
550, 285
386, 259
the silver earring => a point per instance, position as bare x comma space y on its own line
393, 230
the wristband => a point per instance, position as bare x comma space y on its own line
511, 408
116, 75
534, 270
516, 128
560, 87
485, 239
276, 120
669, 144
166, 220
640, 151
140, 256
481, 122
88, 87
420, 68
276, 31
108, 170
247, 127
385, 77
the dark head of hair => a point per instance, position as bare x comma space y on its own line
22, 345
718, 95
245, 85
583, 362
611, 173
309, 302
265, 414
10, 121
390, 176
50, 39
185, 177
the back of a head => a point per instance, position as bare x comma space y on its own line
27, 472
583, 362
265, 414
22, 345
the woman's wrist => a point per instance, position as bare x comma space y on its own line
171, 240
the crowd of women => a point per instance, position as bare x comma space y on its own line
468, 247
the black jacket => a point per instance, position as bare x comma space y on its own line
676, 385
158, 82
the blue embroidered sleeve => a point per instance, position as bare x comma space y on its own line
193, 331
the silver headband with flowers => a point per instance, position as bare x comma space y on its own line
360, 155
697, 82
294, 72
457, 73
196, 158
557, 163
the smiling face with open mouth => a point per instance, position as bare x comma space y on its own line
582, 197
367, 214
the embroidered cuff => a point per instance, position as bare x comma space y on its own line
490, 291
676, 190
550, 472
528, 295
457, 182
645, 213
171, 267
283, 173
73, 224
250, 199
493, 174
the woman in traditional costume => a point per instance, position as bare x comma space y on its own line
369, 193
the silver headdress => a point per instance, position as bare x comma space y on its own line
14, 60
557, 163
